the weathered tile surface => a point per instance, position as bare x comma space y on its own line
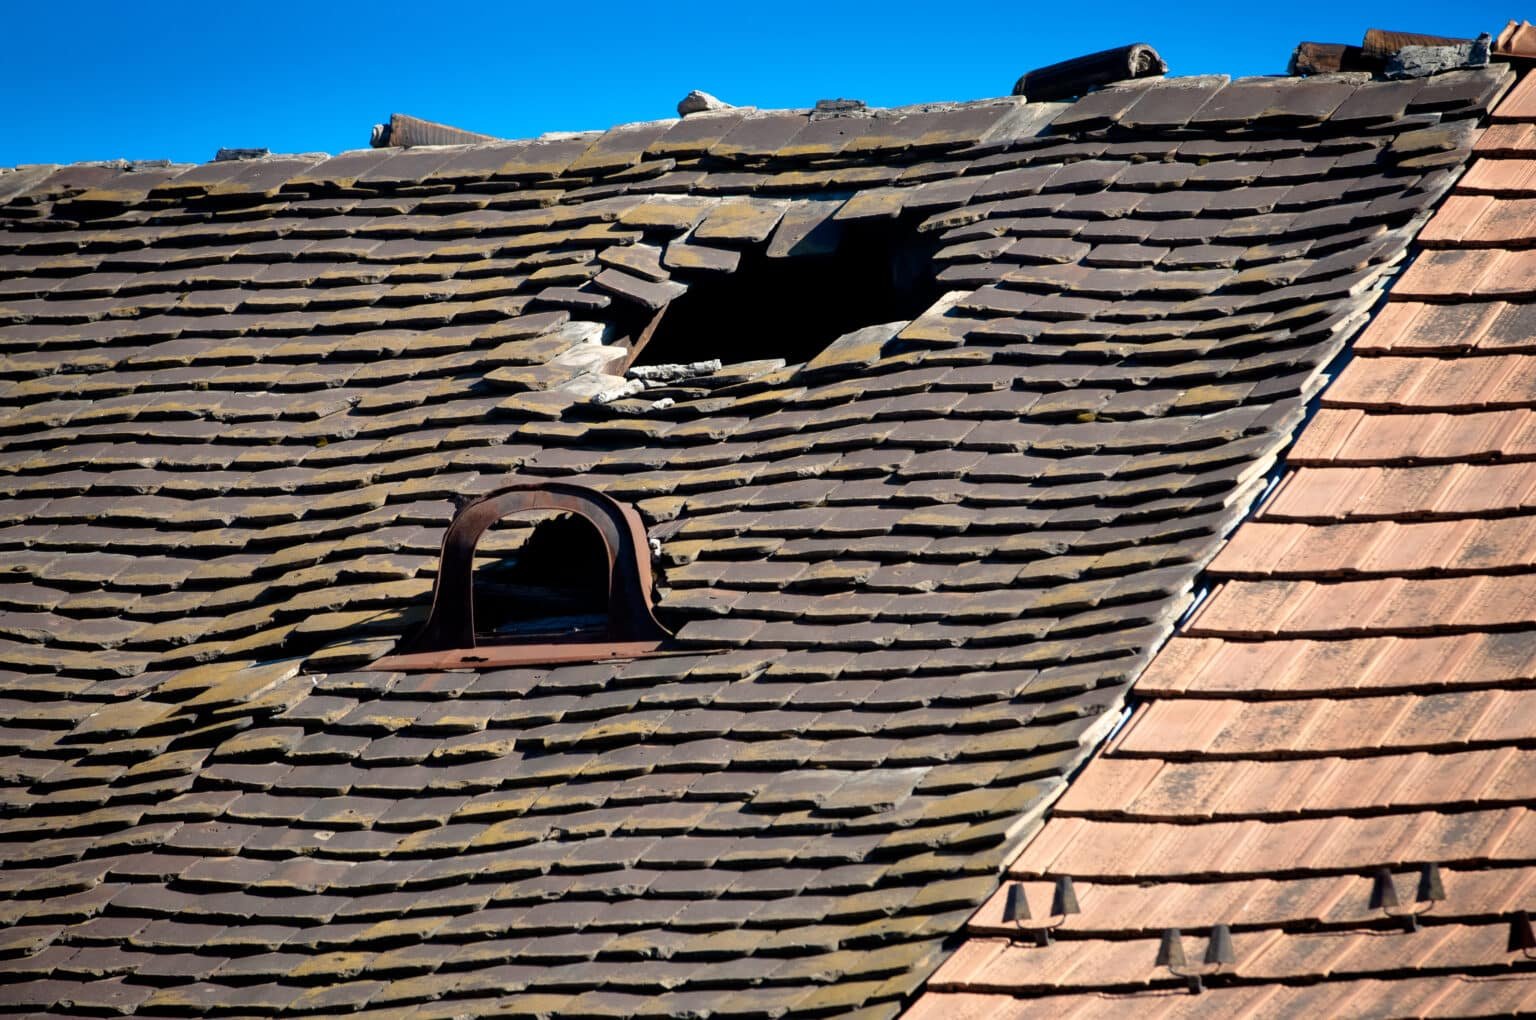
1355, 694
915, 576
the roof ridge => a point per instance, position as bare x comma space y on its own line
752, 113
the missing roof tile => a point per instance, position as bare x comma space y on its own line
832, 282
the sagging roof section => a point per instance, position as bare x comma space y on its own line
917, 573
1352, 708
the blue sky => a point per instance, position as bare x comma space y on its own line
178, 80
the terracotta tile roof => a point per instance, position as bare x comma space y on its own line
1355, 694
916, 574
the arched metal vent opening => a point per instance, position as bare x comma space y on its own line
596, 533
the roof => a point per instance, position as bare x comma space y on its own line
1354, 695
917, 574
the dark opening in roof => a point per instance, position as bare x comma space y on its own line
792, 308
540, 576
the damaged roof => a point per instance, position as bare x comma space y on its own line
913, 576
1351, 706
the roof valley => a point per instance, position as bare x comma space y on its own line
1354, 694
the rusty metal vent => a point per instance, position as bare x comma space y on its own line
629, 629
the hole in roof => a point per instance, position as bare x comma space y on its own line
540, 575
793, 307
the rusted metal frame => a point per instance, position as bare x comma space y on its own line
448, 640
502, 656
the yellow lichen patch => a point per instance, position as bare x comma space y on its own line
534, 1004
879, 203
501, 804
401, 929
124, 718
662, 215
1212, 397
801, 180
632, 726
683, 553
859, 349
170, 763
245, 685
339, 966
277, 698
200, 678
749, 221
835, 574
725, 475
509, 833
349, 655
101, 602
260, 741
351, 621
496, 744
537, 404
353, 501
938, 518
324, 997
939, 325
770, 398
637, 487
266, 639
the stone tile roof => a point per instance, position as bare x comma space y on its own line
1354, 695
916, 574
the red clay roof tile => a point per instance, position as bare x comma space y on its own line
1266, 955
1519, 104
1310, 666
1458, 216
1384, 547
1511, 140
1468, 274
1506, 177
1412, 327
1321, 494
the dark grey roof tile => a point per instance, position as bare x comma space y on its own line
1273, 100
619, 148
759, 136
1170, 104
1100, 109
1459, 92
693, 135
